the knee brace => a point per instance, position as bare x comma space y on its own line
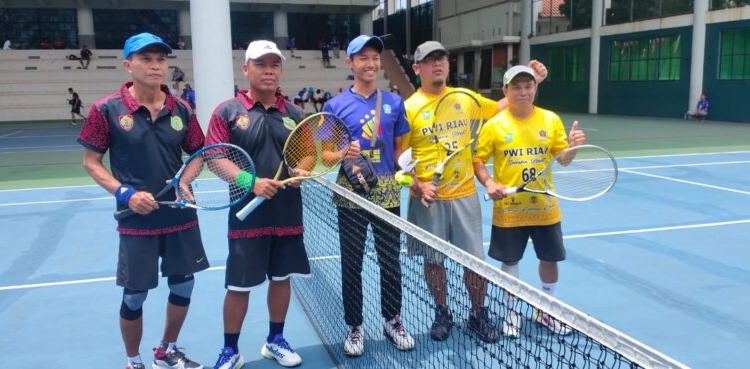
132, 304
180, 289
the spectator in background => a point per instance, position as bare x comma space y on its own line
335, 46
318, 99
75, 107
60, 44
301, 98
323, 46
701, 109
178, 76
6, 45
85, 58
188, 94
291, 45
45, 43
180, 44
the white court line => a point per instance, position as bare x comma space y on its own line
10, 134
55, 201
686, 182
219, 268
27, 150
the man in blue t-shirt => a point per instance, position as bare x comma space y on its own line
701, 109
358, 107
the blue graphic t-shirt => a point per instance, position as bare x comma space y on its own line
359, 113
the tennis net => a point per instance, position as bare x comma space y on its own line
591, 344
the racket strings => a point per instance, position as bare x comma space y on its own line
316, 146
222, 183
458, 119
592, 173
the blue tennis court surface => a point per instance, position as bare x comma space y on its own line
662, 257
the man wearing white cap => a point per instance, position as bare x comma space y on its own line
521, 139
377, 120
267, 245
453, 213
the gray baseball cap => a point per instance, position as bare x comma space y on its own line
424, 49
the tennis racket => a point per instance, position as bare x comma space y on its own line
315, 147
578, 173
457, 120
195, 187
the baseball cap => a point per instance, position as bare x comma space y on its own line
141, 41
257, 49
427, 47
515, 71
358, 43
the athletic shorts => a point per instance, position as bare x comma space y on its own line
509, 243
76, 109
457, 221
252, 261
181, 254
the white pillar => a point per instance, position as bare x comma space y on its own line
365, 24
280, 29
183, 16
524, 50
509, 56
698, 52
212, 56
597, 19
85, 27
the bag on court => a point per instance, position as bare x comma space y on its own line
360, 173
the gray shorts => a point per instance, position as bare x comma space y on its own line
181, 254
509, 244
457, 221
252, 261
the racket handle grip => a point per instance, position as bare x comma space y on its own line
244, 212
122, 214
508, 191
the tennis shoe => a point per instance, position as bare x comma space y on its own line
172, 359
394, 331
135, 366
354, 345
482, 325
441, 327
512, 324
554, 325
279, 350
229, 360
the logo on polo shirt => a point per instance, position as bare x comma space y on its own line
176, 123
426, 115
126, 122
289, 123
387, 108
243, 121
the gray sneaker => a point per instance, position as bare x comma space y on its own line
173, 359
441, 327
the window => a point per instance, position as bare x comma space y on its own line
647, 59
565, 64
734, 54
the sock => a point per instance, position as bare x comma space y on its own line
274, 329
232, 340
135, 360
170, 347
549, 288
508, 299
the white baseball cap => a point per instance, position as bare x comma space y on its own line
257, 49
515, 71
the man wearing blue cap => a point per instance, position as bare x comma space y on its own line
378, 120
145, 129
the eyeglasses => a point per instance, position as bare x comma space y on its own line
435, 59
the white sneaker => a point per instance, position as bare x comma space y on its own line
228, 359
512, 324
554, 325
395, 332
355, 342
279, 350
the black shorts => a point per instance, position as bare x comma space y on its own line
509, 244
76, 109
181, 254
252, 261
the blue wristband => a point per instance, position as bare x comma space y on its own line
123, 194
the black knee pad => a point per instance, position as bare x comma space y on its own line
132, 304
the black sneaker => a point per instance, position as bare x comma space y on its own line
441, 327
174, 359
482, 325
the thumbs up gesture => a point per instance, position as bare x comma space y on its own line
576, 136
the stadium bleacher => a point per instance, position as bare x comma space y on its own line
34, 83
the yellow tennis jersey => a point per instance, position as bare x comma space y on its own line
420, 108
518, 147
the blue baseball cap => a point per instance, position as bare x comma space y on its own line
358, 43
141, 41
